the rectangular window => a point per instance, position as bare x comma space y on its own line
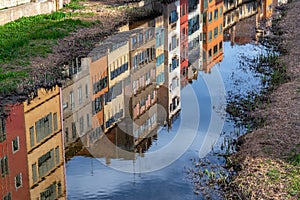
72, 100
43, 127
81, 125
221, 28
55, 122
67, 134
79, 90
209, 16
2, 130
86, 91
15, 144
4, 166
204, 17
49, 193
88, 121
46, 163
57, 160
73, 130
210, 36
220, 46
31, 131
173, 42
173, 17
18, 181
215, 49
209, 54
7, 197
204, 37
215, 32
34, 174
221, 11
216, 14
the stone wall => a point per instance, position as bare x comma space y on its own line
29, 9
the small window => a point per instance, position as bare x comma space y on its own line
210, 36
209, 16
4, 166
220, 45
34, 173
57, 160
209, 53
7, 197
31, 131
15, 144
216, 14
55, 121
18, 181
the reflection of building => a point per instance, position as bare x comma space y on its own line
194, 35
45, 145
76, 101
169, 94
184, 39
13, 155
99, 80
118, 70
142, 115
235, 10
212, 33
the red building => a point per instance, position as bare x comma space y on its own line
14, 183
183, 40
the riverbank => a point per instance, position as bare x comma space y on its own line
268, 160
35, 50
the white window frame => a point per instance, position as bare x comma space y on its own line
12, 145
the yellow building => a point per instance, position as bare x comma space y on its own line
45, 145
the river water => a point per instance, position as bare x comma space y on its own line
141, 109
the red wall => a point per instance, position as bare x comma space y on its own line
17, 162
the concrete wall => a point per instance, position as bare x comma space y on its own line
12, 3
28, 9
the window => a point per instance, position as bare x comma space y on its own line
209, 54
55, 121
221, 11
72, 100
216, 14
88, 121
59, 189
2, 130
7, 197
210, 36
221, 28
15, 144
204, 17
204, 37
4, 166
31, 131
215, 49
209, 16
183, 7
67, 134
73, 130
18, 181
49, 193
220, 45
215, 32
81, 124
57, 160
46, 163
86, 91
43, 127
174, 43
141, 38
34, 174
79, 91
173, 17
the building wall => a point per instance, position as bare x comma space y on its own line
25, 10
17, 158
210, 56
46, 102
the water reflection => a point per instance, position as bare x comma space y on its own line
116, 100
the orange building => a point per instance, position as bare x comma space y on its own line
212, 33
